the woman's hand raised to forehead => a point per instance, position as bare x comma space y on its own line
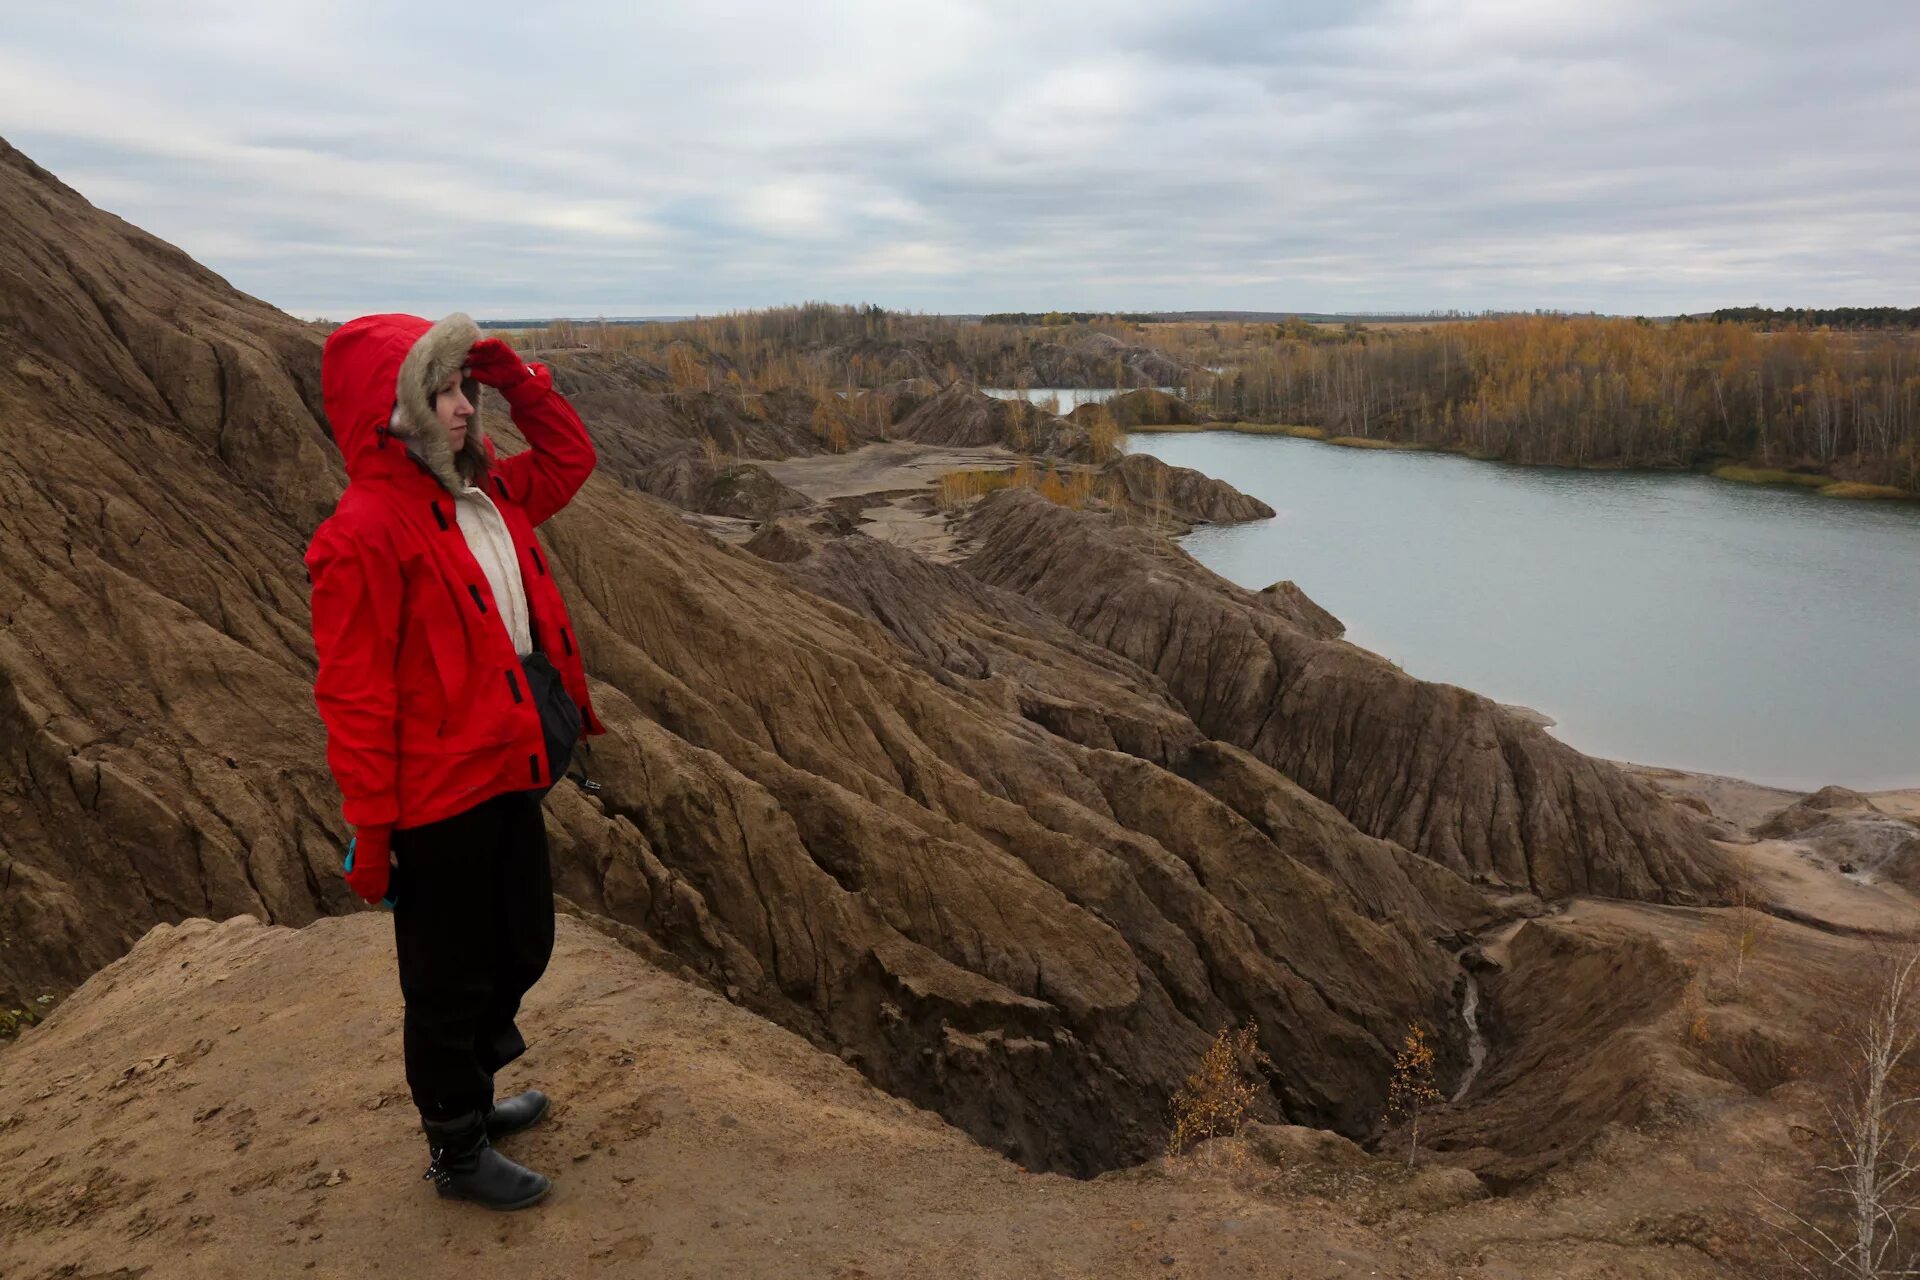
493, 362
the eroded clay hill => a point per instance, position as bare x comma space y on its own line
1434, 768
1007, 865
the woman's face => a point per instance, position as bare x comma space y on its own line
455, 411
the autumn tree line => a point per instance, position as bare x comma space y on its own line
1589, 391
1817, 317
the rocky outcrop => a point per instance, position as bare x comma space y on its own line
1812, 811
781, 541
1181, 493
1845, 830
1098, 360
1147, 406
895, 400
1434, 768
960, 414
686, 478
160, 462
1004, 647
1002, 643
1297, 607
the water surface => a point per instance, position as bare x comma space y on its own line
1677, 620
1070, 398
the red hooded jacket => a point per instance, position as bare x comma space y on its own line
424, 699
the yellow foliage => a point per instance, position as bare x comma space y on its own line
1215, 1100
684, 367
1412, 1089
1052, 488
829, 422
1103, 434
1074, 488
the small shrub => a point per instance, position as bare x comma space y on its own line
684, 367
1693, 1005
957, 488
829, 426
1412, 1090
1052, 488
1214, 1101
13, 1021
1735, 933
1103, 434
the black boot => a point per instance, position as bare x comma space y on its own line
521, 1111
466, 1166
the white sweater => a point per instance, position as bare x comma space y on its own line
486, 533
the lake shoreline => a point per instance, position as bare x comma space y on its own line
1733, 471
1420, 522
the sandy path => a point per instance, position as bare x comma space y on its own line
882, 468
898, 475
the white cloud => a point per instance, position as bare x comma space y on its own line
908, 258
790, 207
594, 158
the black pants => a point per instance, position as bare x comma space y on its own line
473, 925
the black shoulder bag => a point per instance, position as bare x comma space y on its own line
560, 721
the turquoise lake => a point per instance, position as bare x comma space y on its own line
1676, 620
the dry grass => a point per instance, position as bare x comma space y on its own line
1770, 475
1364, 442
1073, 488
1105, 439
1854, 489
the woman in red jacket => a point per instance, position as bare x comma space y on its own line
452, 688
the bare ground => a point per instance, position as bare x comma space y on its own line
226, 1101
897, 478
1807, 876
884, 467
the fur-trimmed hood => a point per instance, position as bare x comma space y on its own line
378, 375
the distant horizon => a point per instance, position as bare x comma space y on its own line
1194, 314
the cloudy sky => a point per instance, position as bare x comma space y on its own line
592, 158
